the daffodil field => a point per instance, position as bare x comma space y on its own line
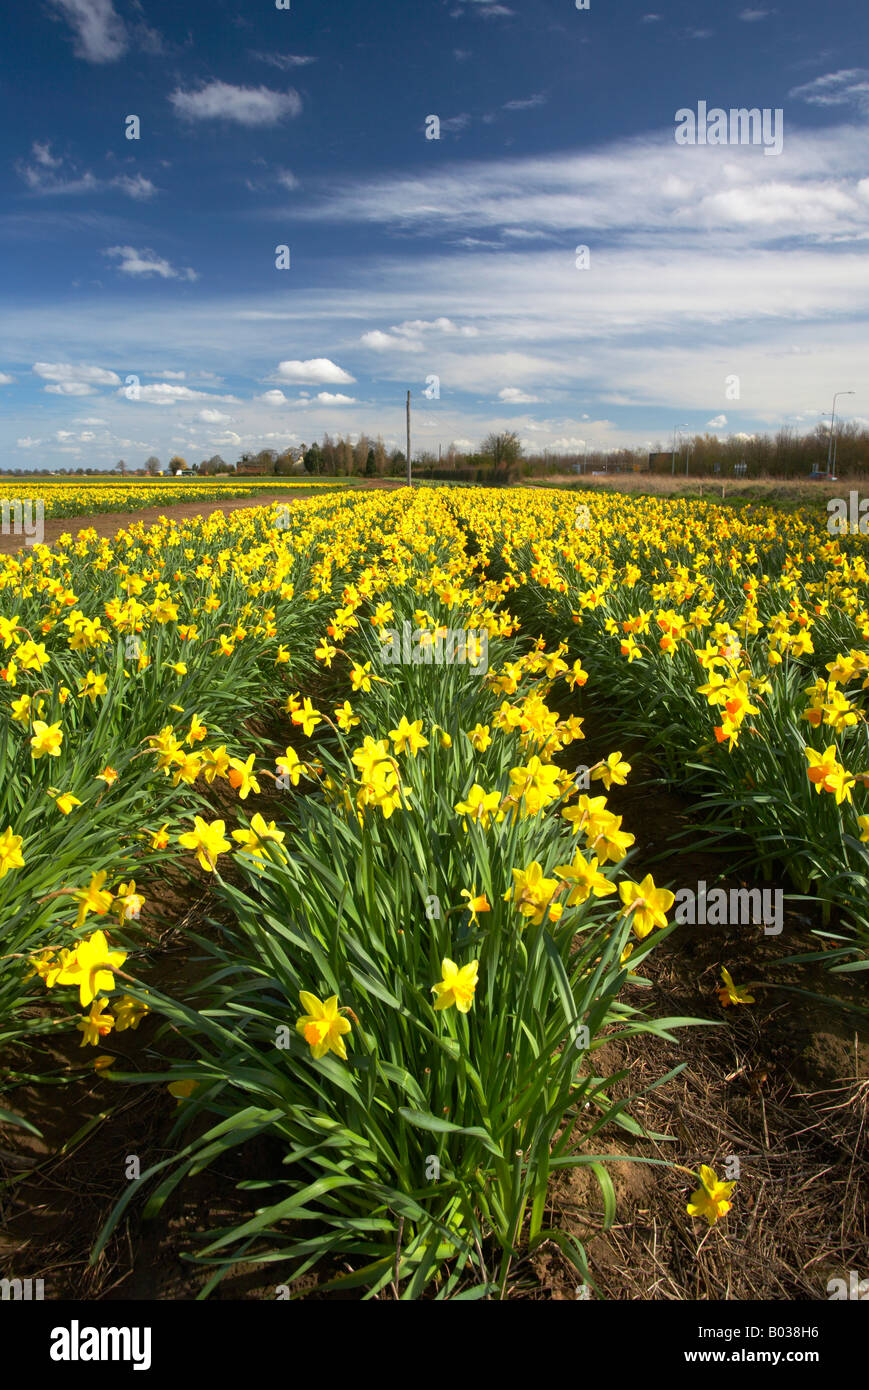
89, 496
422, 927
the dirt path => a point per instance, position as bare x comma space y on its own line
109, 523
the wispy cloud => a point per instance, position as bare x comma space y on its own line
848, 87
50, 176
249, 106
99, 32
163, 393
484, 9
71, 379
284, 61
146, 262
526, 103
819, 190
135, 186
415, 334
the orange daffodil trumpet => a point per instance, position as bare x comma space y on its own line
729, 993
322, 1025
828, 774
476, 903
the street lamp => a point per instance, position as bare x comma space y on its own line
833, 427
677, 430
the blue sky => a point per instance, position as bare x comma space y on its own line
143, 310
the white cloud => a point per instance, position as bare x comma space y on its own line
68, 373
273, 398
42, 154
284, 61
314, 371
287, 179
212, 417
451, 125
161, 393
250, 106
172, 376
99, 32
28, 443
6, 379
718, 422
525, 103
327, 398
70, 388
147, 262
645, 188
381, 342
409, 336
512, 395
137, 186
41, 177
49, 176
847, 87
752, 16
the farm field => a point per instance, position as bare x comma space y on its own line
435, 893
88, 496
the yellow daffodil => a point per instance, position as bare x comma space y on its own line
730, 993
10, 851
456, 986
322, 1025
95, 1025
207, 841
646, 905
477, 902
47, 739
711, 1200
89, 967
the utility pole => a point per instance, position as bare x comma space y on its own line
833, 430
677, 430
409, 484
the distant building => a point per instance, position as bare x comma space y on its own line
249, 466
661, 463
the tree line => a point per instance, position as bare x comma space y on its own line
502, 458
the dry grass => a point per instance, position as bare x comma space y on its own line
665, 485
